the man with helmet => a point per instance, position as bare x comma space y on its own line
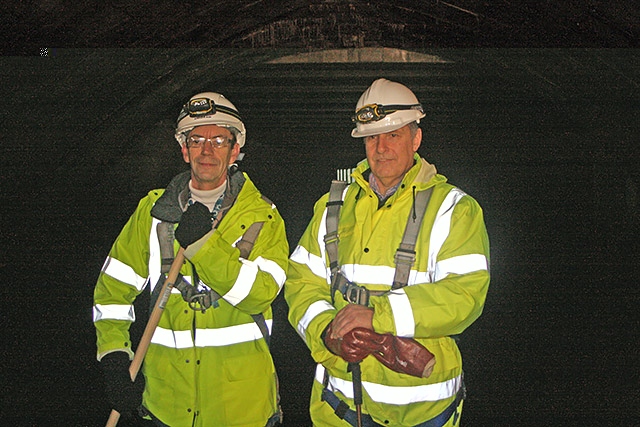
208, 363
387, 289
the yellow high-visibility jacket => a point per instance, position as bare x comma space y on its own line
445, 294
201, 369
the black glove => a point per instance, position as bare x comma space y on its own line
195, 223
124, 395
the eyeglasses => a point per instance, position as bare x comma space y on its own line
375, 112
197, 141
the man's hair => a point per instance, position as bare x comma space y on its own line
413, 128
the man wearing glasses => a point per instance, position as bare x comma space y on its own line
208, 363
391, 268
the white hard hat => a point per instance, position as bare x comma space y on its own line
210, 108
385, 106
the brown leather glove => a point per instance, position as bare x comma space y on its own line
350, 352
399, 354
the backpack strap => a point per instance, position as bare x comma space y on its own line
405, 254
166, 237
245, 244
331, 237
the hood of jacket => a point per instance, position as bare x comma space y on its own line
171, 204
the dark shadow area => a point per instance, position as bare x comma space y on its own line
546, 141
320, 24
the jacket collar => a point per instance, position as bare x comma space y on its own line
419, 175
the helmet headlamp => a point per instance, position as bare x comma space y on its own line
374, 112
199, 107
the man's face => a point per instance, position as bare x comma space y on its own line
208, 164
390, 155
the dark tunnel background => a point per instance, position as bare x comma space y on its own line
545, 139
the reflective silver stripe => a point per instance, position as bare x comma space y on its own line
402, 313
272, 267
314, 262
441, 227
114, 312
122, 272
358, 273
173, 339
462, 264
312, 311
244, 283
395, 395
218, 337
379, 274
368, 274
247, 277
230, 335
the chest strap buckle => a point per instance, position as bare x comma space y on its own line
351, 292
